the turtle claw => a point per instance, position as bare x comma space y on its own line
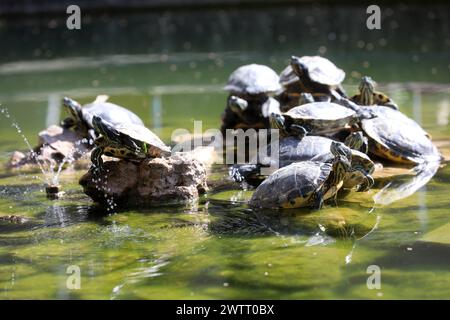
366, 185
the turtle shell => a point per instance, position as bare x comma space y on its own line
321, 116
291, 186
156, 147
320, 70
292, 149
110, 112
253, 79
394, 136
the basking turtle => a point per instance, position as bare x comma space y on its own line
310, 74
255, 84
368, 96
251, 80
395, 137
304, 184
131, 141
293, 149
81, 117
317, 118
246, 114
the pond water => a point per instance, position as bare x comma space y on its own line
169, 67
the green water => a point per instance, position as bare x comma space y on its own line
218, 248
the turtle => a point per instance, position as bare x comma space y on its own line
368, 96
243, 114
81, 117
317, 118
294, 149
131, 142
304, 184
256, 84
396, 137
253, 80
310, 74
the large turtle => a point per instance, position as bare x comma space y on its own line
81, 117
304, 184
255, 84
131, 141
317, 118
294, 149
395, 137
368, 96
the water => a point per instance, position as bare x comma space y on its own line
169, 68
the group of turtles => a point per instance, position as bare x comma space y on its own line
327, 138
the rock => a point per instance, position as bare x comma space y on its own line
14, 219
178, 178
17, 158
55, 144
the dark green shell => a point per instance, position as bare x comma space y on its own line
291, 186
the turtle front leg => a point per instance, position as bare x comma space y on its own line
298, 130
96, 159
318, 199
367, 183
91, 136
68, 123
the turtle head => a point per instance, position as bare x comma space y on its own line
305, 98
298, 67
277, 121
367, 88
340, 150
238, 105
356, 140
341, 162
111, 136
74, 109
106, 130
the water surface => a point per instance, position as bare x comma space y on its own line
169, 67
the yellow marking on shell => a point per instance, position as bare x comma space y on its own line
389, 154
298, 202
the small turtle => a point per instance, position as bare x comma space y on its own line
254, 83
303, 184
81, 117
317, 118
131, 141
310, 74
368, 96
293, 149
395, 137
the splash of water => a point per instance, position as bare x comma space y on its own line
50, 173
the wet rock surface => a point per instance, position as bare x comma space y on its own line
55, 145
178, 178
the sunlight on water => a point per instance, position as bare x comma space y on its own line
218, 247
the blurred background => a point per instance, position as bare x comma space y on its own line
168, 60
